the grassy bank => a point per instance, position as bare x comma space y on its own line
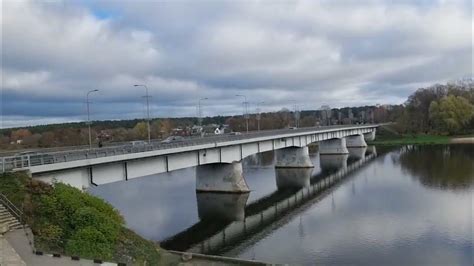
68, 221
411, 139
388, 136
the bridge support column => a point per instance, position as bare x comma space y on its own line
355, 141
333, 146
221, 177
293, 157
370, 136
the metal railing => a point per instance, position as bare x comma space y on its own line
25, 161
14, 210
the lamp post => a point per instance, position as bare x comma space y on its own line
245, 110
147, 110
89, 117
258, 116
200, 112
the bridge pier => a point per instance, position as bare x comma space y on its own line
370, 136
333, 146
293, 177
293, 157
221, 177
355, 141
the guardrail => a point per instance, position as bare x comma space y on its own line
12, 208
22, 162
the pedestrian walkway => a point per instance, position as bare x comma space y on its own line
8, 255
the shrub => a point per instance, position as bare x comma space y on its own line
90, 243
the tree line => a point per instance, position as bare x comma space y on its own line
438, 109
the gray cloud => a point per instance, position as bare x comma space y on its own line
325, 52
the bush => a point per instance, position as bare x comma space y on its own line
66, 220
90, 243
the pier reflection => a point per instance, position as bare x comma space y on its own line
357, 153
333, 162
221, 206
292, 177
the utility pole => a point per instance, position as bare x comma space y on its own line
246, 115
147, 110
258, 115
200, 113
89, 117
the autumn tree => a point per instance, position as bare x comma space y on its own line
141, 130
451, 114
20, 134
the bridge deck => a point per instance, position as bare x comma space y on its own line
23, 162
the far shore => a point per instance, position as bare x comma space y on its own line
462, 140
422, 140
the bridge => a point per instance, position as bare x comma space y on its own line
217, 159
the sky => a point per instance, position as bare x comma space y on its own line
309, 53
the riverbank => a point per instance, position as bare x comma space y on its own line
67, 221
421, 139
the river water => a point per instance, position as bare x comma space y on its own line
409, 205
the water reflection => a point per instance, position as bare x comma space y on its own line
296, 187
380, 212
442, 167
357, 153
292, 177
333, 162
221, 206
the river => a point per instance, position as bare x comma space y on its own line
408, 205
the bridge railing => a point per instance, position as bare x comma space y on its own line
25, 161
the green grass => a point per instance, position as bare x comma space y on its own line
419, 139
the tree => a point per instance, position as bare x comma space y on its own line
451, 114
20, 134
141, 130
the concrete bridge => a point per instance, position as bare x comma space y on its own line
228, 222
217, 159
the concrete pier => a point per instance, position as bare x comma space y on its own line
221, 206
293, 157
370, 136
293, 177
221, 177
355, 141
333, 146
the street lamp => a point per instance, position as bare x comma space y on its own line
245, 110
89, 117
200, 113
258, 115
147, 109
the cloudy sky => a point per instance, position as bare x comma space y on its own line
340, 53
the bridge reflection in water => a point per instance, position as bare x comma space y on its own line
227, 223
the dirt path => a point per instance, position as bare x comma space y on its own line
465, 140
